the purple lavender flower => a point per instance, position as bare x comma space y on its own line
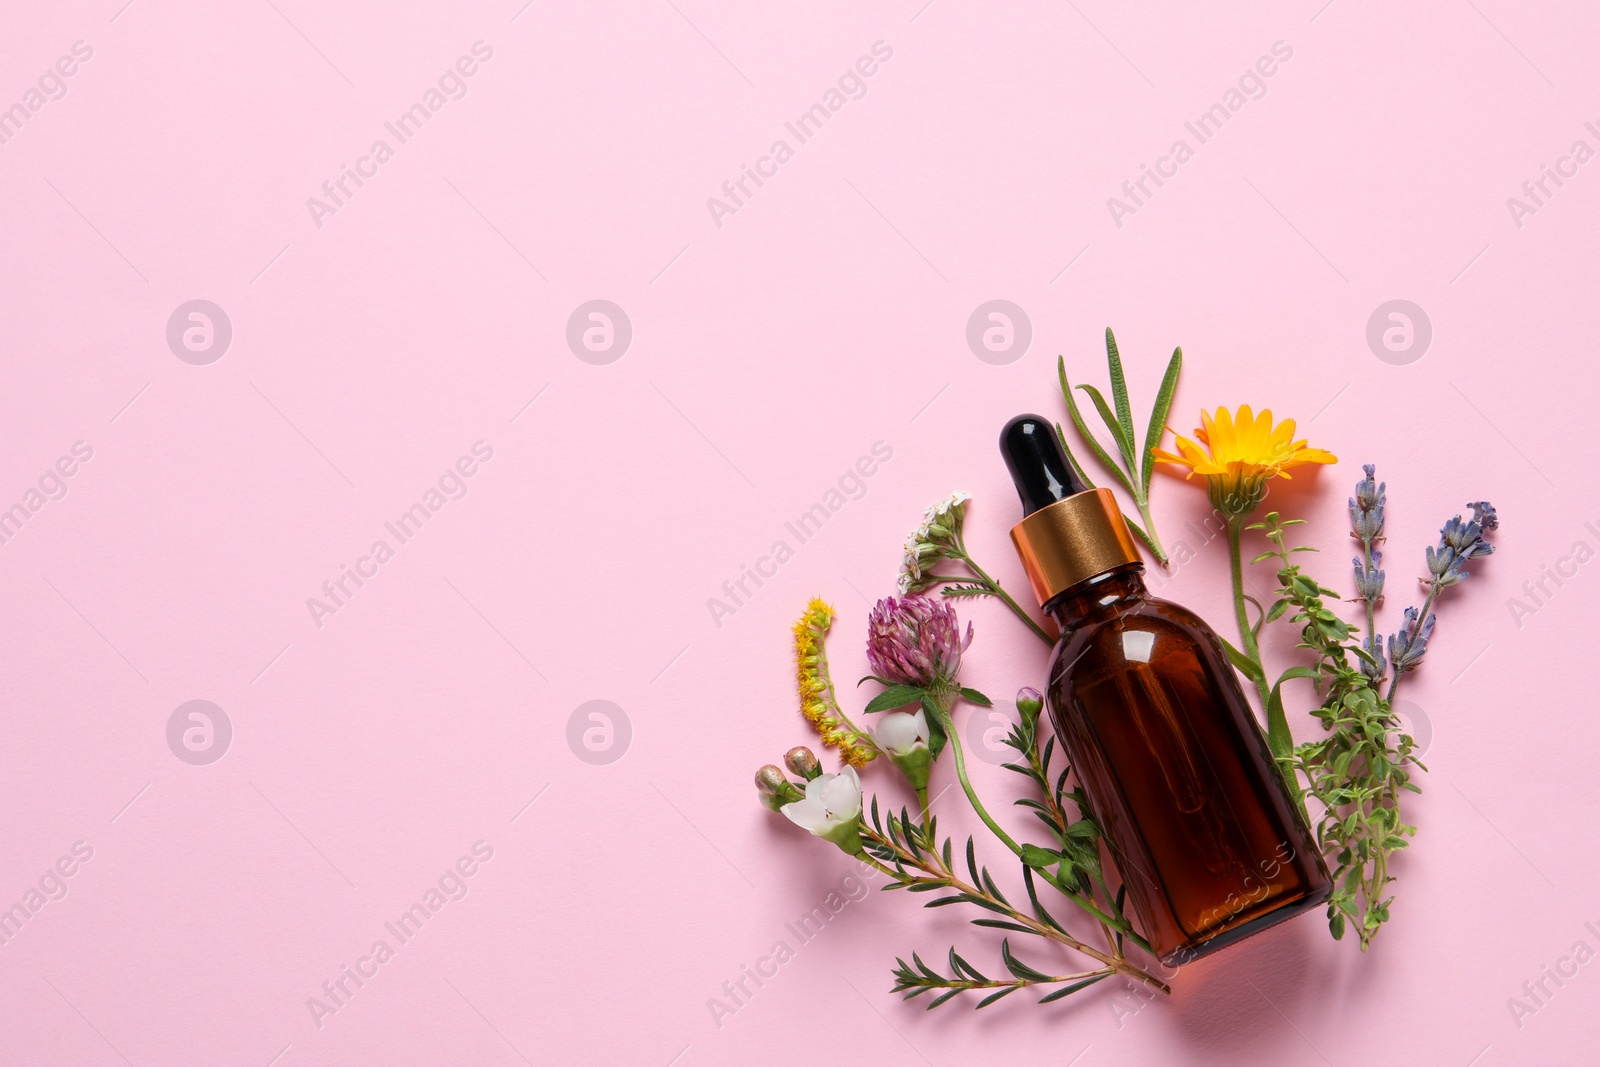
1407, 647
1366, 507
1369, 580
914, 640
1373, 644
1366, 523
1460, 542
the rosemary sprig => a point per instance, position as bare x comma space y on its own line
915, 860
1134, 463
919, 979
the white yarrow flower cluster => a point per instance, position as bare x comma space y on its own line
932, 541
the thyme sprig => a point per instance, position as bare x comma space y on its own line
938, 539
1360, 769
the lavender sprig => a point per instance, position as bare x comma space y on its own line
1460, 542
1366, 523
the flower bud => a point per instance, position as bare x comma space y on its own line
775, 789
904, 736
771, 780
802, 761
1029, 703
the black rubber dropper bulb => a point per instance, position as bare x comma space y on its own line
1038, 464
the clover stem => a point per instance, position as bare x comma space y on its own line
940, 708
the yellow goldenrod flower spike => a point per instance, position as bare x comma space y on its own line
815, 687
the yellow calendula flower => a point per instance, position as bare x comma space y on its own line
1243, 452
815, 684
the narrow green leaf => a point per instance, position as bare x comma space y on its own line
992, 997
1147, 540
1246, 665
1278, 737
1119, 388
1083, 427
994, 890
1077, 468
976, 697
942, 997
1120, 435
1038, 908
1003, 924
1068, 990
964, 969
1017, 967
1158, 414
1300, 671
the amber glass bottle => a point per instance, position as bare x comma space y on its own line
1176, 771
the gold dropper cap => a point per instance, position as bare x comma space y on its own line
1069, 532
1071, 541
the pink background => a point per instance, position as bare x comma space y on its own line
768, 353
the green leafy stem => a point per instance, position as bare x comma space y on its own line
1360, 768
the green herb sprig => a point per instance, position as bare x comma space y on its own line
1360, 769
1134, 463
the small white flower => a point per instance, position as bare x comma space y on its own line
929, 542
899, 733
832, 805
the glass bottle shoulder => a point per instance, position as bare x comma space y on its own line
1127, 632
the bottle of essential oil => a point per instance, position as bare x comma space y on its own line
1210, 843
